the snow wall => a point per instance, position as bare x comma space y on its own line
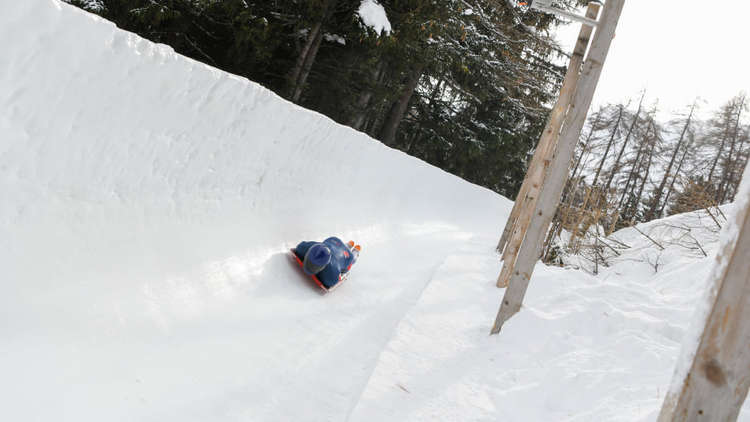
147, 204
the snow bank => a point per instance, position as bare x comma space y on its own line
736, 215
583, 347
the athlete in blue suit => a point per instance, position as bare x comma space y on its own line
328, 260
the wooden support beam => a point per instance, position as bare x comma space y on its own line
527, 195
549, 196
719, 376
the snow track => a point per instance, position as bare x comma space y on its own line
589, 348
147, 204
583, 348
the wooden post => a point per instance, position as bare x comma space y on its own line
518, 220
717, 383
549, 197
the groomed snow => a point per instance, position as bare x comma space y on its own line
584, 347
147, 205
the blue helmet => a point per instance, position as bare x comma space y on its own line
316, 258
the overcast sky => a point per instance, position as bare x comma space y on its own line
676, 50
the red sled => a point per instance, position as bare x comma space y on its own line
315, 278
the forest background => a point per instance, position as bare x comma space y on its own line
465, 85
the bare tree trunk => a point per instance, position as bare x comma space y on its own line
616, 164
718, 154
571, 189
674, 178
398, 109
739, 165
358, 119
634, 168
299, 64
585, 145
436, 92
581, 216
646, 172
609, 145
726, 171
659, 190
306, 68
301, 69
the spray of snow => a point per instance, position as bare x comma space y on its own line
373, 16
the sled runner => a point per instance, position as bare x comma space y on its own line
315, 278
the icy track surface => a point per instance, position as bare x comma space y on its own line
147, 204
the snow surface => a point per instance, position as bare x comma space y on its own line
373, 16
584, 347
728, 240
148, 202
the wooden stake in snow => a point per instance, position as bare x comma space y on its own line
516, 225
718, 378
531, 232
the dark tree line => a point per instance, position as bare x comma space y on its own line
463, 84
